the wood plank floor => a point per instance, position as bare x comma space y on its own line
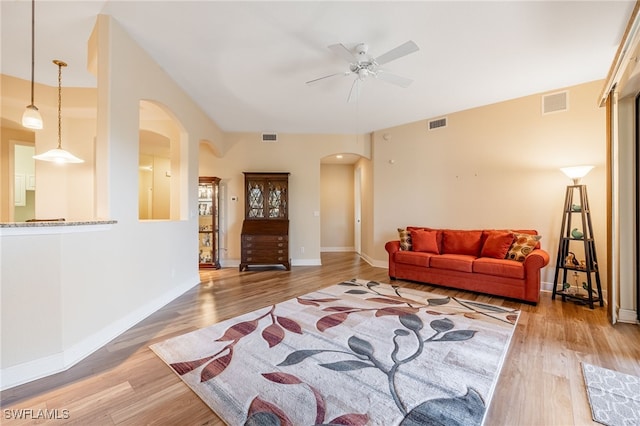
124, 383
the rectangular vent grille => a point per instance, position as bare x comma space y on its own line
269, 137
438, 123
555, 102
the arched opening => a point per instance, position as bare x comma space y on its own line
159, 163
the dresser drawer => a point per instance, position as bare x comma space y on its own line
265, 244
265, 238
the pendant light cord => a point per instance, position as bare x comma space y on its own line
33, 44
59, 103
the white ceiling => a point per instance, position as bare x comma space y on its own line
246, 63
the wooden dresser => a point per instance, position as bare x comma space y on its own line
265, 230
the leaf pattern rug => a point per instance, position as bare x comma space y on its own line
356, 353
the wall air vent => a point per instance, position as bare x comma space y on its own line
437, 123
269, 137
555, 102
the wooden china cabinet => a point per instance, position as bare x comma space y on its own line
208, 222
265, 230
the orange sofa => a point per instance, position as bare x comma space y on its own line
504, 263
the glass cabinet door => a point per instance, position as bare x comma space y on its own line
208, 222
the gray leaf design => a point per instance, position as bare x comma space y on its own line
487, 307
438, 302
457, 335
463, 410
360, 346
299, 356
346, 365
442, 325
357, 292
411, 321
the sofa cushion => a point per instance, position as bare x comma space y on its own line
454, 262
405, 239
461, 242
522, 245
425, 241
499, 267
422, 228
497, 244
416, 258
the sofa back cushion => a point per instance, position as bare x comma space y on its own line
496, 244
461, 242
425, 241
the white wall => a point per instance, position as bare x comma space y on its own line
496, 166
67, 292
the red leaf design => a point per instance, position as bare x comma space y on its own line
216, 367
434, 312
239, 330
289, 324
307, 302
338, 309
396, 310
273, 334
512, 318
321, 408
385, 300
470, 315
351, 420
259, 405
282, 378
331, 320
184, 367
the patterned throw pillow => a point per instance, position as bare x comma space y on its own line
405, 239
522, 245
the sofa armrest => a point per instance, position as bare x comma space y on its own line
537, 259
392, 246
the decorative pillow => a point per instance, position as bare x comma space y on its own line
522, 245
405, 239
462, 242
497, 244
426, 241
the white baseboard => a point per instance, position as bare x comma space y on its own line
46, 366
628, 316
337, 249
375, 263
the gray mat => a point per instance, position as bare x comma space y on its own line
614, 397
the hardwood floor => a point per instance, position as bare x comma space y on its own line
125, 383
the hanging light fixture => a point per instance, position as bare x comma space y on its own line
31, 117
59, 155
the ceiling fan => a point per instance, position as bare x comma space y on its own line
363, 65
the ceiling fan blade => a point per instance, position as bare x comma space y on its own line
354, 93
342, 52
326, 76
398, 52
394, 79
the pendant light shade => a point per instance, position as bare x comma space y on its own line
59, 155
31, 117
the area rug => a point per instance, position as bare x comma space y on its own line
614, 397
356, 353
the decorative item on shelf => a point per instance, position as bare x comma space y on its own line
571, 260
576, 208
583, 264
586, 287
578, 235
59, 155
31, 118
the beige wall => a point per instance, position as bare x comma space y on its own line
337, 207
496, 166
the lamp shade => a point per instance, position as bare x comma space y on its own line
576, 172
31, 118
58, 155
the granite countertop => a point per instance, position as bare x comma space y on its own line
55, 223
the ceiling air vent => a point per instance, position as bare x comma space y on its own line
555, 102
438, 123
269, 137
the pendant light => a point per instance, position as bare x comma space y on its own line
59, 155
31, 117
